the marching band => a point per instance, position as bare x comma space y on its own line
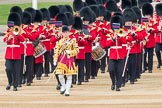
75, 46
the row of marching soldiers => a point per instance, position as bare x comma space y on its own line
120, 31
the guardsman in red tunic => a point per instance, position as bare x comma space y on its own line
87, 17
158, 35
46, 40
33, 31
133, 38
80, 58
19, 10
13, 55
116, 56
105, 19
94, 28
150, 27
139, 29
53, 10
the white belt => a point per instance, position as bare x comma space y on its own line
116, 47
133, 42
29, 42
45, 40
124, 45
81, 47
12, 46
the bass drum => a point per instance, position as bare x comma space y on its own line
98, 53
39, 50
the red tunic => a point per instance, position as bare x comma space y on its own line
13, 46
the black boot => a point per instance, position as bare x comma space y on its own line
8, 87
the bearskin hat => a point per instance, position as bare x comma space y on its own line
118, 13
53, 10
26, 18
129, 15
69, 8
45, 14
38, 16
111, 5
91, 2
126, 4
93, 16
16, 9
15, 18
78, 24
77, 5
116, 19
117, 1
95, 9
32, 11
134, 2
138, 13
86, 13
142, 2
70, 18
102, 10
107, 16
147, 9
99, 1
62, 17
158, 9
62, 8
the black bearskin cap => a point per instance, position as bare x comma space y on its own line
45, 14
26, 18
78, 24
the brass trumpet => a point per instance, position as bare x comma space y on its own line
120, 32
16, 30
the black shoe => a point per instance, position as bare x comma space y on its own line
135, 80
131, 82
117, 89
62, 92
58, 87
86, 80
15, 89
112, 87
102, 71
45, 75
67, 95
38, 78
122, 85
19, 85
8, 87
158, 66
92, 77
71, 86
150, 71
79, 83
28, 84
23, 81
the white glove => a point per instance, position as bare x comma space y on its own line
54, 63
67, 52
